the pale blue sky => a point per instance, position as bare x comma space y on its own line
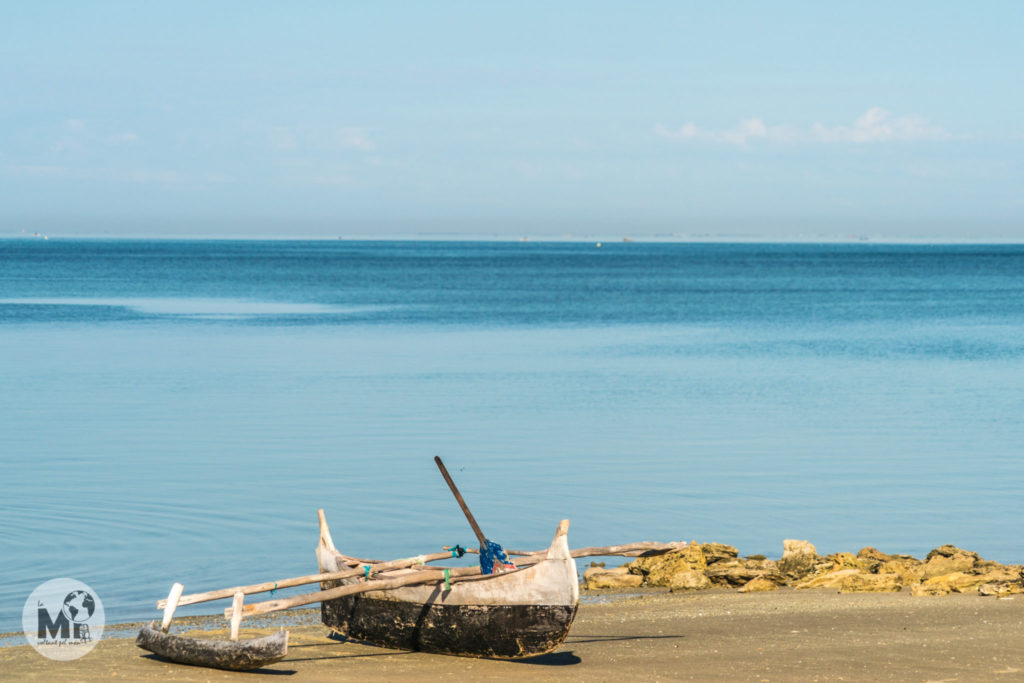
768, 120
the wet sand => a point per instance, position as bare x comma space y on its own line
785, 635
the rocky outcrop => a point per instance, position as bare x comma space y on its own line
658, 569
948, 559
739, 572
718, 552
949, 569
798, 559
697, 566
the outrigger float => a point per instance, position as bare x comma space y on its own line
510, 611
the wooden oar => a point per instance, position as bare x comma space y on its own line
462, 503
493, 557
428, 576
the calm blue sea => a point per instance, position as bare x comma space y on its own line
178, 410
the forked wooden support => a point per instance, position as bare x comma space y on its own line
236, 614
172, 604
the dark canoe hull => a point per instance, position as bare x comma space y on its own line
500, 631
518, 613
242, 655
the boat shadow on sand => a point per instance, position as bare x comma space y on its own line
264, 671
564, 658
550, 659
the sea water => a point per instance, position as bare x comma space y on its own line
178, 410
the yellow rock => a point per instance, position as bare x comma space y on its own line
954, 582
844, 561
948, 559
600, 578
871, 583
658, 570
921, 590
827, 580
718, 552
758, 584
1000, 589
798, 558
909, 570
688, 581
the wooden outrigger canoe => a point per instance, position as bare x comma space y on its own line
519, 612
516, 613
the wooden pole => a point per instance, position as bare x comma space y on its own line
171, 604
462, 503
236, 614
624, 550
429, 576
302, 580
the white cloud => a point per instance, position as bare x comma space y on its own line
356, 138
282, 138
875, 125
878, 125
123, 139
150, 175
305, 138
742, 133
38, 170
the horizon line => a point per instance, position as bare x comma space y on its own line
701, 238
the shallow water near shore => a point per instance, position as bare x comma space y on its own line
177, 411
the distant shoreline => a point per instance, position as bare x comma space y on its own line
604, 240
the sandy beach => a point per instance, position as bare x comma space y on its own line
786, 635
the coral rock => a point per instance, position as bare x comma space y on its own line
758, 584
798, 558
954, 582
827, 580
871, 583
658, 570
1000, 589
598, 578
948, 559
909, 570
688, 581
739, 572
844, 561
718, 552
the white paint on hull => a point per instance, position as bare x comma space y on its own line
552, 581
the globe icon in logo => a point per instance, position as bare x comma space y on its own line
78, 606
